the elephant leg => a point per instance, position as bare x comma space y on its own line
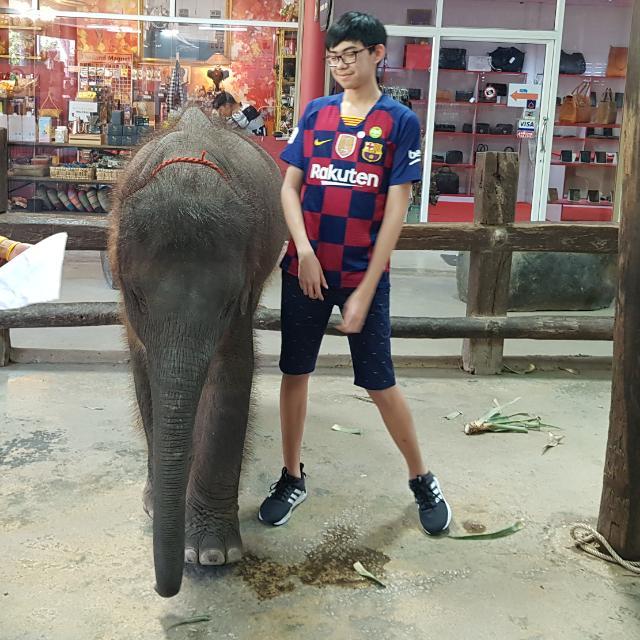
140, 371
212, 528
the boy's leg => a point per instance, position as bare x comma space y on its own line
373, 368
303, 323
293, 411
399, 422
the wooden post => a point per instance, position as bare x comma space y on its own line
4, 167
619, 520
490, 271
5, 347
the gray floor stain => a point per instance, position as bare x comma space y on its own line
36, 447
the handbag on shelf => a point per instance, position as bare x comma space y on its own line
437, 158
417, 56
572, 63
447, 181
479, 63
442, 95
52, 111
607, 112
617, 65
446, 128
481, 148
576, 107
454, 157
467, 127
453, 59
502, 129
464, 96
482, 128
507, 59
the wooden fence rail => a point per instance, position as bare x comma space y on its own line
94, 314
491, 240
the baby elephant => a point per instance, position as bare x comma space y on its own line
197, 228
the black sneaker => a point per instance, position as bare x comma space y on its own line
286, 494
435, 513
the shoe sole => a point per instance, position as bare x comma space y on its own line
449, 515
301, 498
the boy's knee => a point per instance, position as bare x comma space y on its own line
293, 380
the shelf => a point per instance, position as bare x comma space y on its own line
584, 77
453, 166
608, 165
484, 73
66, 145
477, 135
491, 105
64, 211
579, 139
588, 125
70, 180
583, 203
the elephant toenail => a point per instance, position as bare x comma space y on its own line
190, 556
212, 557
234, 555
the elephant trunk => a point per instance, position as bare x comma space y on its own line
180, 376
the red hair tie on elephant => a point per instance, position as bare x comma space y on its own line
197, 227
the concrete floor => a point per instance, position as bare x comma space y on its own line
422, 285
76, 545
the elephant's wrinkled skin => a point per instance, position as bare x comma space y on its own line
191, 250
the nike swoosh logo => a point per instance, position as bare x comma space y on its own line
319, 143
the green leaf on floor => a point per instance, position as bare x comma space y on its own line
193, 620
352, 430
366, 574
518, 525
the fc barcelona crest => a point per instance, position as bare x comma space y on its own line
372, 151
345, 145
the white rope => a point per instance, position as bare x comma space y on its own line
589, 540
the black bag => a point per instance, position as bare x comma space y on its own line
447, 181
509, 149
500, 87
447, 128
415, 94
453, 59
464, 96
482, 127
502, 130
437, 158
481, 148
572, 63
507, 59
467, 128
454, 157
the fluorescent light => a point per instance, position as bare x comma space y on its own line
169, 33
113, 28
212, 28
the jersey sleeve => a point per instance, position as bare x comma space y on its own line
294, 151
407, 159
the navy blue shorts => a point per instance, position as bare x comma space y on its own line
304, 322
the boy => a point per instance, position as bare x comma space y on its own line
241, 116
354, 157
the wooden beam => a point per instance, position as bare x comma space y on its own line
88, 314
490, 271
4, 166
90, 232
619, 518
5, 347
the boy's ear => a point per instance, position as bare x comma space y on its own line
379, 52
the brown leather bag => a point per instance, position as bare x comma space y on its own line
617, 65
576, 107
607, 111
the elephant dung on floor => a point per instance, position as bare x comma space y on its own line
197, 228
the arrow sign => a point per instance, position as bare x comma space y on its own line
521, 94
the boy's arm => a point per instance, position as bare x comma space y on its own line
357, 306
310, 273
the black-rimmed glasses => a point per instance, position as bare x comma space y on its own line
348, 57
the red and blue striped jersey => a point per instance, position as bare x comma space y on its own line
347, 174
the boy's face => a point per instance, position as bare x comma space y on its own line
225, 110
358, 64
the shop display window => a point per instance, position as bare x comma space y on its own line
402, 12
500, 14
77, 95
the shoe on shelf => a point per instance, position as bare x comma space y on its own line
284, 496
433, 509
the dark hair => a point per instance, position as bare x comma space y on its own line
223, 98
355, 26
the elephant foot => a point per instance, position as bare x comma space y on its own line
147, 499
212, 538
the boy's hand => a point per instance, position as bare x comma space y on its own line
354, 312
310, 275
